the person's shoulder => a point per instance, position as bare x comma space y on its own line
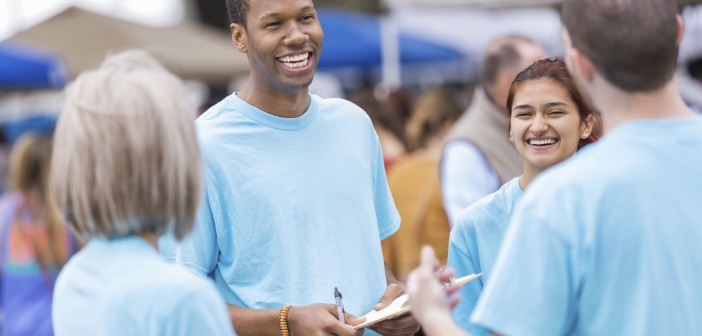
215, 111
495, 202
482, 211
218, 122
160, 280
588, 174
183, 288
340, 107
334, 102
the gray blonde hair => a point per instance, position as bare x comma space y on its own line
125, 158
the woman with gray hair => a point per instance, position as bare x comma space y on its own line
126, 170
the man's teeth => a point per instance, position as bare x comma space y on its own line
542, 142
296, 61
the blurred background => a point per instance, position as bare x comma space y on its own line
382, 54
386, 44
412, 65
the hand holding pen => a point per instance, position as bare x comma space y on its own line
320, 319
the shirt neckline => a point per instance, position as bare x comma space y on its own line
267, 119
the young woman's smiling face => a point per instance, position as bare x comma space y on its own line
545, 124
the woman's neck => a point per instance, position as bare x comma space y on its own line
528, 176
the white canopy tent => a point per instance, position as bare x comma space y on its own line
470, 25
395, 4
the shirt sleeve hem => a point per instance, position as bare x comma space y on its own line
391, 229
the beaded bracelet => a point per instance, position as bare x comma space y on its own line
283, 316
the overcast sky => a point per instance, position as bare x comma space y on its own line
16, 15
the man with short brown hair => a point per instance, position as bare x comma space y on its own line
608, 243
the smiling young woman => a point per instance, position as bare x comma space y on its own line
548, 122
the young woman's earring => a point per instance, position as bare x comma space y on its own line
585, 135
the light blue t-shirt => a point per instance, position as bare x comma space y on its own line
608, 243
293, 207
123, 287
474, 244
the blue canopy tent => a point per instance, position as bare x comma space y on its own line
354, 40
38, 124
23, 67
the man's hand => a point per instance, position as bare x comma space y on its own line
429, 299
404, 325
320, 319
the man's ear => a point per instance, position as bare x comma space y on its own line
583, 65
681, 29
239, 37
579, 65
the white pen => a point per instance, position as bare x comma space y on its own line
339, 305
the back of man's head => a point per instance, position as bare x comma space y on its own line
632, 43
504, 58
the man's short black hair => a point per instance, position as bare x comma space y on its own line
237, 10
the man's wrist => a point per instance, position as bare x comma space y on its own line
437, 321
283, 320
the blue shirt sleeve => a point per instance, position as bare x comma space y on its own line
386, 213
533, 283
199, 250
464, 261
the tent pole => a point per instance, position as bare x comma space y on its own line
390, 50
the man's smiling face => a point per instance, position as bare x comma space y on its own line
283, 39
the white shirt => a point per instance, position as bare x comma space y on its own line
466, 177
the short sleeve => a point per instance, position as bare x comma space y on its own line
385, 210
199, 250
532, 287
464, 261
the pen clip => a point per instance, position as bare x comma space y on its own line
451, 282
339, 305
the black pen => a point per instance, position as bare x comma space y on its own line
339, 305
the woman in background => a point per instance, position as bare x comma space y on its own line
548, 122
126, 170
34, 243
414, 182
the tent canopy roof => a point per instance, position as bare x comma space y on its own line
342, 26
189, 50
23, 67
488, 3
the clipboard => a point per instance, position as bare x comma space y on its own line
401, 306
